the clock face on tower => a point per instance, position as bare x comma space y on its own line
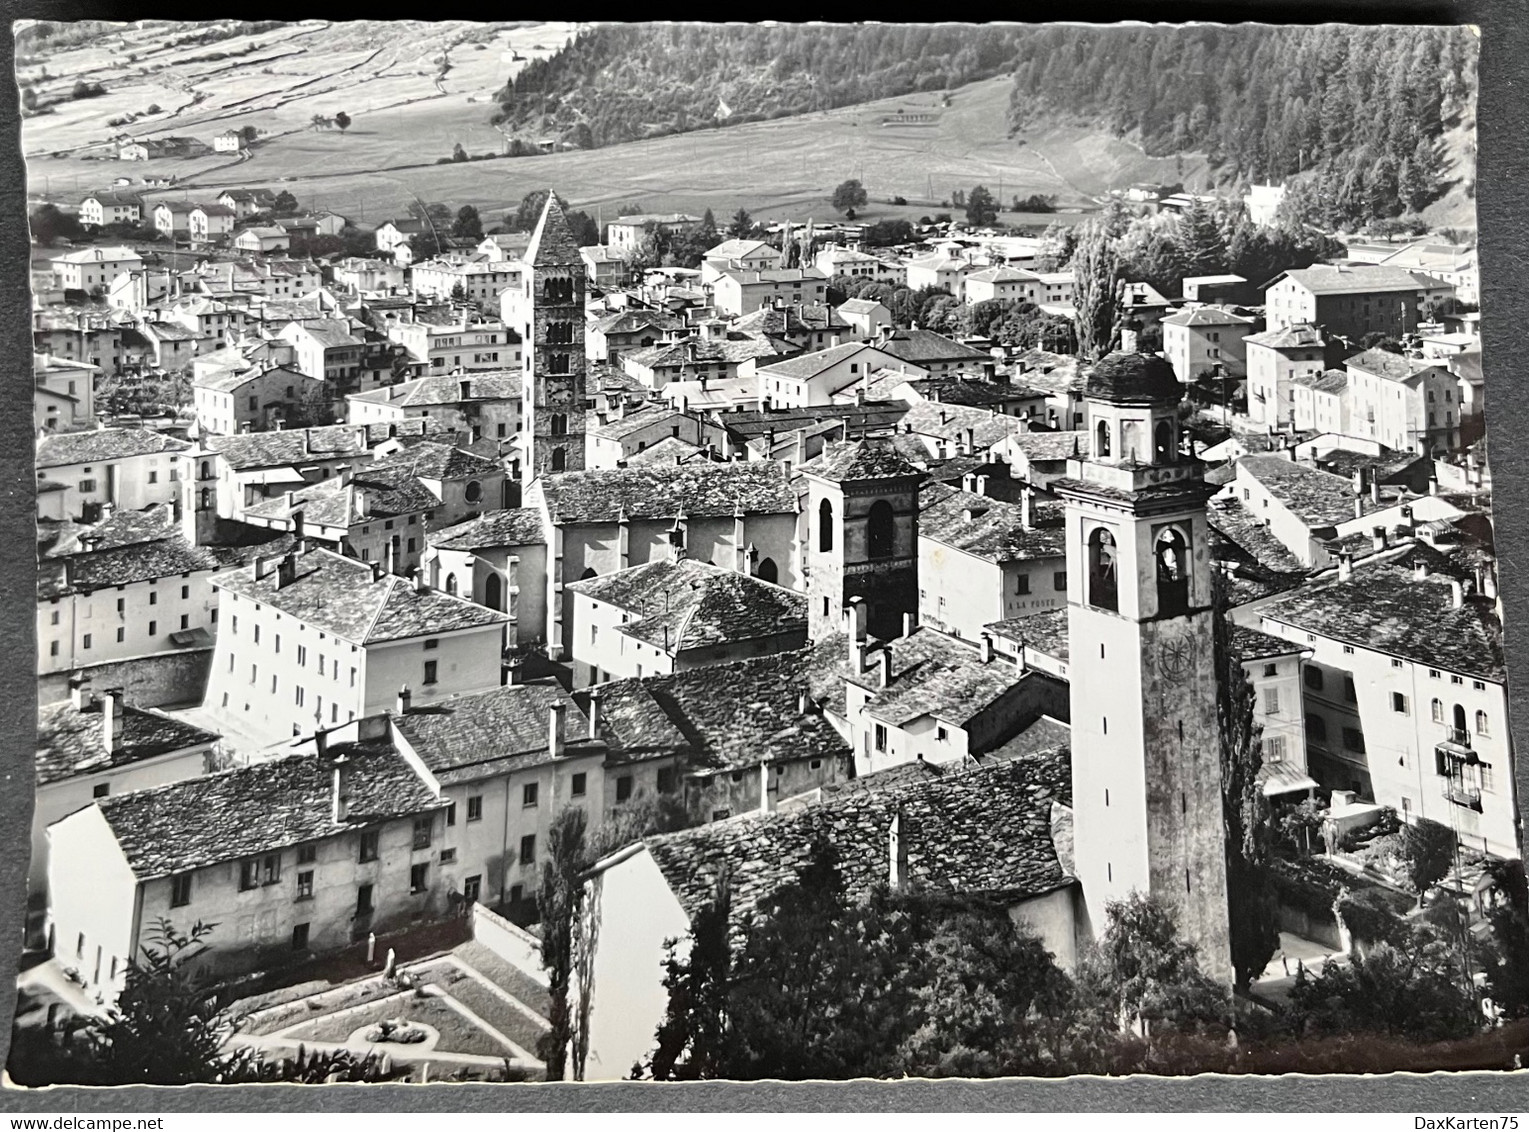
1173, 658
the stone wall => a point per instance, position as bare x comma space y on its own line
148, 681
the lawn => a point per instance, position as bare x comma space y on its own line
458, 1035
487, 1005
505, 975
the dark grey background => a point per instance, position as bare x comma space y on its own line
1503, 184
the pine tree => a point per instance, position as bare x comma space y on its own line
1096, 291
1204, 248
741, 226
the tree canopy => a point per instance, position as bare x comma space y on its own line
849, 195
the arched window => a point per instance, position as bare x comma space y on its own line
559, 460
492, 592
559, 425
1162, 448
1438, 711
451, 584
1102, 442
1172, 556
206, 504
557, 363
206, 469
825, 526
880, 530
1103, 584
1481, 723
473, 491
1130, 440
1460, 719
768, 572
560, 332
589, 572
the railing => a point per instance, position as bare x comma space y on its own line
1462, 795
1457, 735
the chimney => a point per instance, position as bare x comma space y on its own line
376, 570
910, 623
1359, 506
594, 715
1456, 594
981, 488
1489, 579
297, 527
555, 712
1027, 508
766, 806
1420, 571
389, 557
969, 482
340, 793
803, 704
1378, 538
1408, 521
78, 692
1433, 484
987, 648
897, 853
111, 718
968, 441
286, 570
421, 583
856, 644
405, 700
1345, 566
262, 567
886, 666
1358, 481
1374, 489
361, 503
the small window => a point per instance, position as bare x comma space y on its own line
1022, 584
880, 736
369, 846
1399, 703
1274, 748
432, 643
1314, 679
418, 878
1457, 679
180, 890
1271, 701
475, 808
430, 669
576, 785
1481, 724
305, 885
1059, 581
451, 814
941, 734
101, 790
528, 793
448, 856
1353, 740
623, 788
1271, 670
1433, 674
1395, 663
1479, 685
363, 899
307, 854
422, 832
1348, 650
528, 849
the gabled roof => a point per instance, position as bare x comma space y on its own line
297, 446
1326, 279
433, 461
468, 737
1316, 497
373, 493
859, 460
229, 381
948, 422
1300, 335
861, 306
1207, 316
700, 490
259, 809
1002, 275
63, 449
1328, 381
1393, 367
921, 346
71, 741
1045, 633
332, 335
427, 392
939, 676
339, 596
804, 367
995, 532
637, 420
705, 350
691, 604
798, 318
514, 526
737, 249
980, 832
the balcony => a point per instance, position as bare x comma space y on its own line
1462, 794
1457, 737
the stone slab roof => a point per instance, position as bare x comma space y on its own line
1326, 279
428, 392
995, 530
986, 831
72, 741
513, 526
373, 493
259, 809
709, 490
935, 675
921, 346
468, 737
102, 444
552, 243
1044, 632
1297, 336
843, 461
1316, 497
434, 461
297, 446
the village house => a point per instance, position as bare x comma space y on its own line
1404, 403
211, 223
1232, 290
262, 240
1350, 302
713, 356
738, 292
246, 202
393, 236
1273, 666
472, 406
99, 209
611, 439
835, 260
498, 560
80, 337
458, 342
1143, 305
1276, 357
88, 268
626, 234
796, 326
946, 270
1003, 284
289, 857
737, 255
670, 615
501, 246
63, 394
353, 635
356, 275
609, 337
867, 318
988, 831
270, 278
1197, 340
465, 279
330, 350
814, 379
1405, 696
604, 266
933, 353
1454, 264
257, 398
983, 560
1319, 401
466, 484
173, 219
604, 521
128, 468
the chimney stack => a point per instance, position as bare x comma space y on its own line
886, 666
594, 715
286, 570
1027, 508
909, 624
421, 585
340, 794
1456, 594
897, 853
766, 805
987, 648
1378, 538
1345, 566
1420, 571
389, 558
1374, 489
78, 694
376, 568
555, 712
405, 700
111, 718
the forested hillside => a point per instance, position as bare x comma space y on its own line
1362, 110
620, 82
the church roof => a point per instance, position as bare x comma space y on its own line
1129, 376
859, 460
552, 244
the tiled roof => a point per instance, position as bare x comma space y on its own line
639, 219
1207, 316
1387, 609
101, 444
125, 565
985, 831
691, 604
296, 446
920, 346
728, 716
1044, 632
331, 335
338, 595
427, 392
1394, 367
936, 675
751, 423
859, 460
861, 306
798, 318
552, 244
701, 490
995, 531
632, 321
737, 249
1261, 564
1328, 381
1300, 335
515, 526
977, 394
703, 350
383, 492
1317, 498
72, 741
665, 451
749, 277
468, 737
1251, 644
1130, 376
260, 809
432, 461
949, 422
1048, 447
1325, 279
1001, 275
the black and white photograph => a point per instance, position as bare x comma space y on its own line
590, 552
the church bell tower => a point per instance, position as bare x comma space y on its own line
1146, 761
552, 428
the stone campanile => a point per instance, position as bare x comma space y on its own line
1146, 759
552, 422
